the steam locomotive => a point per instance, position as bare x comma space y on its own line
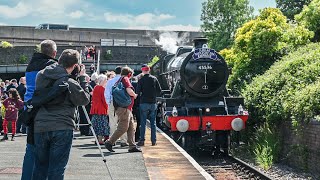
196, 107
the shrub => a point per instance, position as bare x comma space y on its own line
108, 55
23, 59
154, 60
310, 17
289, 89
260, 42
262, 37
5, 44
38, 48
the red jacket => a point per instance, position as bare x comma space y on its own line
12, 108
99, 105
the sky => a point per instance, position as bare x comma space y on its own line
115, 14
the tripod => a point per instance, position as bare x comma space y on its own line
96, 139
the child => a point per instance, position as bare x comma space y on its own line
12, 104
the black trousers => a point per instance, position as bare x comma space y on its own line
84, 130
136, 115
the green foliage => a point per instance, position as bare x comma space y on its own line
260, 42
108, 55
310, 18
291, 7
221, 18
38, 48
23, 59
5, 44
236, 60
297, 35
154, 60
262, 37
306, 103
230, 56
289, 89
266, 146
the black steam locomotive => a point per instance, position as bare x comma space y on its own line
196, 107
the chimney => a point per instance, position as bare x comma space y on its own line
199, 41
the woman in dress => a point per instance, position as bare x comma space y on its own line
99, 109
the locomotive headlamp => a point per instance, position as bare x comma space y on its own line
237, 124
207, 110
182, 125
174, 112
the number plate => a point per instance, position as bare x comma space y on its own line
204, 67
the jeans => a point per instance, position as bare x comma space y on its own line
52, 150
145, 110
28, 163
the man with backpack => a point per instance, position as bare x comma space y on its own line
113, 118
124, 114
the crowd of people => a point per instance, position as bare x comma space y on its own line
52, 127
89, 52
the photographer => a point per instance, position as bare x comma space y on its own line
54, 122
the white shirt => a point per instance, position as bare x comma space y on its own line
108, 89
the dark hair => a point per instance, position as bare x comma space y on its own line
15, 94
126, 70
13, 80
118, 70
69, 57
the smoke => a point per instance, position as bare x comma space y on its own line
170, 41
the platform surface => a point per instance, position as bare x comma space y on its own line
162, 161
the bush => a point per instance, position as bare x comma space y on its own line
23, 59
289, 89
108, 55
154, 60
262, 36
38, 48
5, 44
310, 17
260, 42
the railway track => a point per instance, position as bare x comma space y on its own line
230, 168
226, 167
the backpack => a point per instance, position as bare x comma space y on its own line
49, 95
120, 96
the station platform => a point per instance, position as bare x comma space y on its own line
166, 160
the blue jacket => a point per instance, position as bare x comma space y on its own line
38, 62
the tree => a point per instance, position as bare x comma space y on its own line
259, 43
221, 19
310, 18
291, 7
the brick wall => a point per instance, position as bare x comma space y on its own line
301, 149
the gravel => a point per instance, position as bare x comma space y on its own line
283, 172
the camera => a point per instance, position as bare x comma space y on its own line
76, 72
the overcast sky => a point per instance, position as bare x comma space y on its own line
135, 14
